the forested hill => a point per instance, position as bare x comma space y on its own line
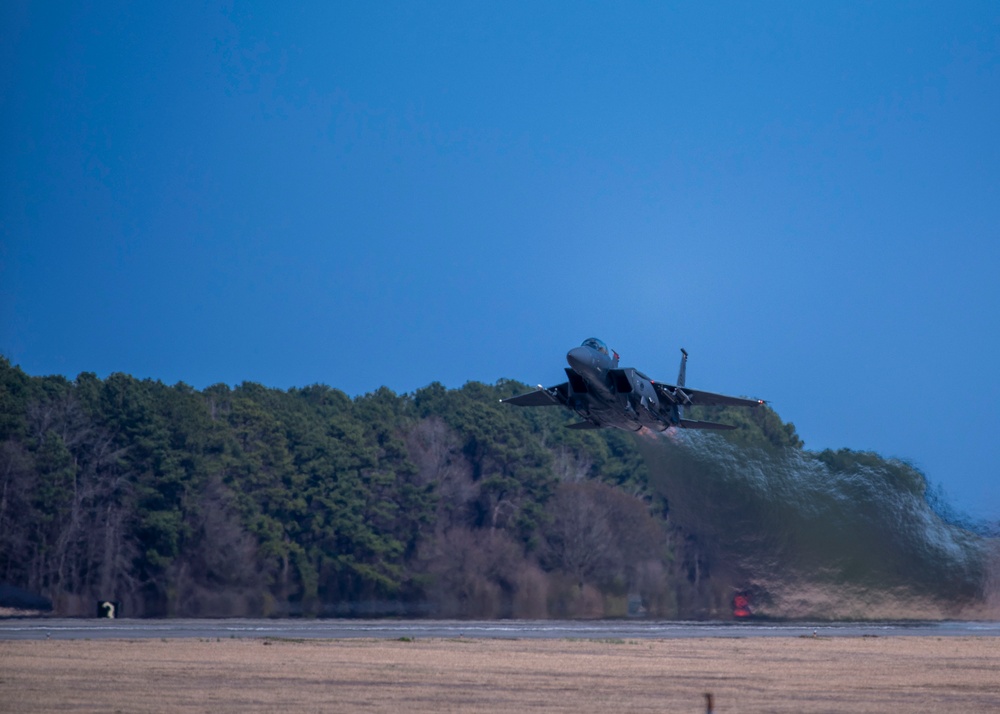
257, 501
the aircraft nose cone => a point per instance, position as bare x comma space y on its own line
579, 358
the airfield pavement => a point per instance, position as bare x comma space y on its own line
795, 674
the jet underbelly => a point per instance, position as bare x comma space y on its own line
607, 415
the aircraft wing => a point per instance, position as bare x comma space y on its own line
541, 397
696, 397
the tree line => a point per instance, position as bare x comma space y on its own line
251, 501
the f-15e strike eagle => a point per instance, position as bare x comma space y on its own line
608, 396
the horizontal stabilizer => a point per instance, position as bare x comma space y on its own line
583, 425
538, 398
691, 424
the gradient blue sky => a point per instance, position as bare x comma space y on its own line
802, 194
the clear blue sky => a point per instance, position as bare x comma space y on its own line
805, 195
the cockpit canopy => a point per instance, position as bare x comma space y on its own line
596, 344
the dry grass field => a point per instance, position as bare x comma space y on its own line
888, 674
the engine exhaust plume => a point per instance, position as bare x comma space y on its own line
831, 536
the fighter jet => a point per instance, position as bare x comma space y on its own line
605, 395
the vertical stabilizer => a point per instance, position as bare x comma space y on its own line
681, 376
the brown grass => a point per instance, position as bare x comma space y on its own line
888, 674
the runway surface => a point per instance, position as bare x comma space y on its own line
125, 629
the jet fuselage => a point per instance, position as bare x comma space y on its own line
595, 395
605, 395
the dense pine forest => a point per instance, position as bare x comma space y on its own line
250, 501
